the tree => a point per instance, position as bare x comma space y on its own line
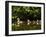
26, 12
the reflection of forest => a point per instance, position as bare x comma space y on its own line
26, 26
26, 17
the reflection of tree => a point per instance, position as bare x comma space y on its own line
24, 13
